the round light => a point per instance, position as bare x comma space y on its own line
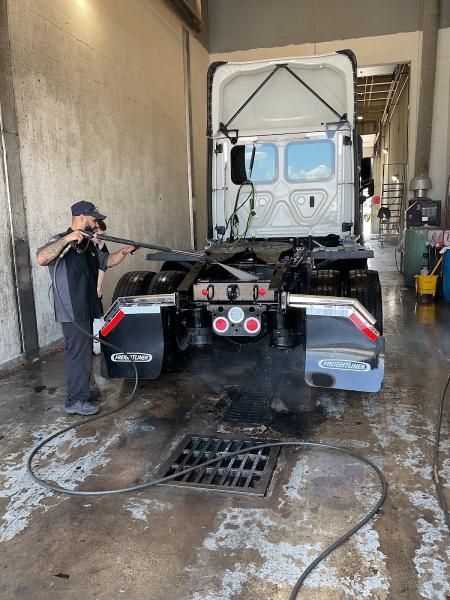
204, 292
252, 325
236, 314
262, 292
220, 324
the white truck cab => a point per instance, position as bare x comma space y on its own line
284, 269
292, 122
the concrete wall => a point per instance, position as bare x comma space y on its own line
100, 100
10, 344
245, 24
394, 137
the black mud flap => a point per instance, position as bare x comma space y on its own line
342, 352
139, 332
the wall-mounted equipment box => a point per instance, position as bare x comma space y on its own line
423, 211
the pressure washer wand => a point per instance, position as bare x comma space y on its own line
238, 273
116, 240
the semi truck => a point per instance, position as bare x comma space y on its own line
285, 264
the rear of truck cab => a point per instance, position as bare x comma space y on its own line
283, 134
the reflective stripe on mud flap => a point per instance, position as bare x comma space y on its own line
356, 317
112, 323
364, 327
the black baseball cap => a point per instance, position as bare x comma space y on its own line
86, 208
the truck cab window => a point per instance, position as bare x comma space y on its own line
265, 166
309, 160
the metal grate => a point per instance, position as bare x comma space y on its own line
248, 405
247, 474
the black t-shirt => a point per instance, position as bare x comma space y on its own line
76, 280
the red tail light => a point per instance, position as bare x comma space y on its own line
220, 324
252, 325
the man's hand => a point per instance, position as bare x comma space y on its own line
128, 250
117, 257
51, 251
76, 236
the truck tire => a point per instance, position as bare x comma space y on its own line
176, 347
364, 285
326, 282
134, 283
166, 282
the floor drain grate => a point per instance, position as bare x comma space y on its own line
248, 405
247, 474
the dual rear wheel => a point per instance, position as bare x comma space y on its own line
362, 284
141, 283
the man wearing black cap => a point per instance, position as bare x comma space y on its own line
78, 302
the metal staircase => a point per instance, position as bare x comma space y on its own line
392, 194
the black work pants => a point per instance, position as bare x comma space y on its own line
78, 361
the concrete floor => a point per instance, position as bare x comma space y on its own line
172, 543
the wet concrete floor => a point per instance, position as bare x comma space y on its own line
173, 543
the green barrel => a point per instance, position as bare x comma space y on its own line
415, 247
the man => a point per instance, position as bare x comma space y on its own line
76, 280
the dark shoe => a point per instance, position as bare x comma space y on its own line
81, 408
95, 396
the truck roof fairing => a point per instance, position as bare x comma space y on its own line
323, 87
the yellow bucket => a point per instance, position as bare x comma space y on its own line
426, 284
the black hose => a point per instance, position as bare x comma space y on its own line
139, 487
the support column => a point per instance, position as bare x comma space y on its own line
430, 18
10, 156
189, 135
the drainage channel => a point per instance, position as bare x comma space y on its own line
247, 474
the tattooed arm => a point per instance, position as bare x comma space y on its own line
51, 251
